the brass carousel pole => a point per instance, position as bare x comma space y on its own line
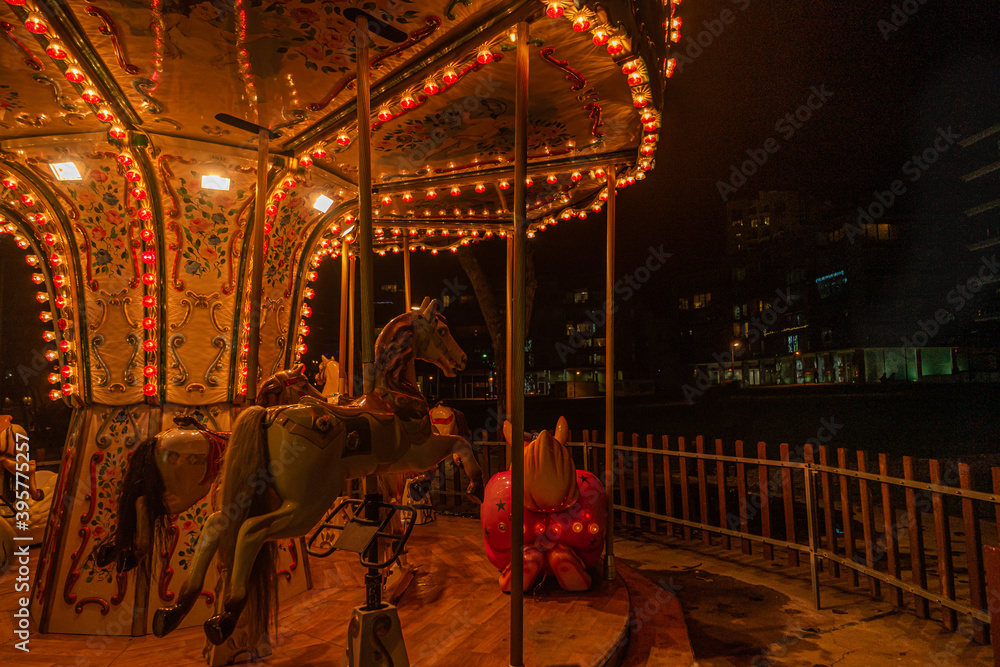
351, 289
345, 280
407, 294
609, 382
519, 325
257, 268
508, 340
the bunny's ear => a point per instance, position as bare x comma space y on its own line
508, 429
562, 431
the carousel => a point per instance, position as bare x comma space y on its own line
176, 172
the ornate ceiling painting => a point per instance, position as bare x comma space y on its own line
134, 203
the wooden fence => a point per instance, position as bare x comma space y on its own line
911, 530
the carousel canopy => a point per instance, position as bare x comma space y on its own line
129, 158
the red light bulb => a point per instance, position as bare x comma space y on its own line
75, 75
450, 76
150, 389
554, 10
54, 50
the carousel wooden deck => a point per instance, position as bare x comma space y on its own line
452, 614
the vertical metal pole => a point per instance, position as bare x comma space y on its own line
345, 286
407, 293
257, 267
508, 337
609, 382
365, 253
519, 325
351, 325
813, 533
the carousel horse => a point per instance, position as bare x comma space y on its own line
285, 466
328, 376
9, 463
171, 471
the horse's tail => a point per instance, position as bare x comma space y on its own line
142, 480
246, 479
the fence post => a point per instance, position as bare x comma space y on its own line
992, 558
812, 530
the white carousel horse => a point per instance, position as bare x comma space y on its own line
328, 376
285, 466
8, 459
171, 471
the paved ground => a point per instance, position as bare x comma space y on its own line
745, 610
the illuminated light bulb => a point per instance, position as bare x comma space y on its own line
580, 23
431, 87
27, 200
54, 378
132, 176
551, 179
279, 195
149, 371
431, 194
311, 276
90, 96
271, 210
445, 232
454, 249
484, 57
528, 181
139, 194
148, 323
576, 176
65, 371
149, 301
455, 191
645, 165
434, 251
125, 160
149, 279
647, 149
67, 389
149, 345
396, 231
408, 102
554, 10
384, 114
600, 173
604, 196
42, 297
615, 46
675, 36
22, 243
45, 316
387, 199
148, 257
117, 132
302, 349
54, 50
309, 292
306, 311
450, 76
55, 395
567, 215
31, 260
594, 528
319, 152
582, 215
35, 24
61, 302
304, 329
58, 280
55, 260
150, 389
639, 101
407, 197
75, 75
289, 183
37, 278
145, 214
651, 126
640, 176
649, 139
65, 346
62, 324
50, 239
601, 37
10, 183
305, 161
630, 66
634, 79
395, 250
504, 185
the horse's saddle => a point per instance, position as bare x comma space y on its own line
366, 432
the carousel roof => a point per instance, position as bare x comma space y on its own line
129, 151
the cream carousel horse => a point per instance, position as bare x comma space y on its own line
285, 466
8, 458
171, 471
328, 376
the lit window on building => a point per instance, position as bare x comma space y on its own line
683, 304
585, 327
702, 300
793, 343
580, 296
737, 312
570, 329
831, 284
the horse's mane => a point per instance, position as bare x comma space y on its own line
393, 354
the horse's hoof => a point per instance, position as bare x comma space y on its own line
104, 555
476, 493
166, 620
219, 627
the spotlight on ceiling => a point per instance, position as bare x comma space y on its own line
210, 182
322, 203
65, 171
